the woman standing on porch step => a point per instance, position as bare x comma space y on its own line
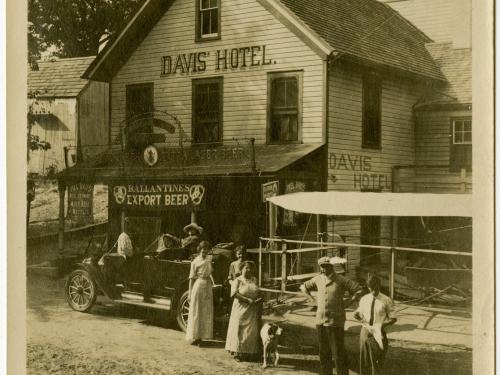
201, 306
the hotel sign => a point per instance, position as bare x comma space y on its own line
170, 196
223, 59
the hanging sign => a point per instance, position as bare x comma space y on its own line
170, 196
80, 202
269, 189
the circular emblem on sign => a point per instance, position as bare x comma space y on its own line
151, 155
120, 192
196, 193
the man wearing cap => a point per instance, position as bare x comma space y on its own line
330, 315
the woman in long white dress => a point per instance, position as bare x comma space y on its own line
201, 306
244, 324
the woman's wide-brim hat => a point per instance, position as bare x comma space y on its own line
194, 226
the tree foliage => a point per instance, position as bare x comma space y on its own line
75, 27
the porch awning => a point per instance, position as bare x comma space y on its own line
269, 159
340, 203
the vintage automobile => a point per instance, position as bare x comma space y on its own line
163, 276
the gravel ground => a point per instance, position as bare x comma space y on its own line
114, 340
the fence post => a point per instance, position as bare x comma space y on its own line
61, 186
260, 263
283, 267
391, 280
463, 175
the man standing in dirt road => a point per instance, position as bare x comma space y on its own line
330, 315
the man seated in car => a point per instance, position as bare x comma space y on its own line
191, 241
114, 263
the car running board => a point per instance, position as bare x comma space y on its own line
137, 300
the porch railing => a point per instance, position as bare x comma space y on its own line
276, 255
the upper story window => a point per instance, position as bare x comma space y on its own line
461, 144
285, 107
372, 129
139, 101
207, 110
207, 19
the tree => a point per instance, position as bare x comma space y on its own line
75, 27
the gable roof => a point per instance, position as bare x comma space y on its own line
368, 30
59, 78
364, 29
456, 65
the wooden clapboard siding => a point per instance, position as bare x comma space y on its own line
344, 138
59, 129
433, 132
93, 118
243, 23
345, 130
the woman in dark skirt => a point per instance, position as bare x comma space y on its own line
375, 312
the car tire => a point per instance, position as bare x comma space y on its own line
81, 290
182, 311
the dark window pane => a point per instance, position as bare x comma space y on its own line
292, 93
458, 126
205, 4
206, 119
458, 137
205, 23
467, 137
468, 125
213, 3
214, 24
371, 111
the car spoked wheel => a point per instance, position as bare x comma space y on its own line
80, 290
183, 311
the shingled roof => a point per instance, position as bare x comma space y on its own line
368, 30
364, 29
456, 65
59, 78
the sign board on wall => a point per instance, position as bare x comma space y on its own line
80, 202
269, 189
360, 167
167, 196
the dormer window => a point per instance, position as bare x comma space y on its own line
208, 20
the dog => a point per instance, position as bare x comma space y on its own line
270, 334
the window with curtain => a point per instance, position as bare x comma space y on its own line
207, 110
284, 107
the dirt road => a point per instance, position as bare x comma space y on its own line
112, 340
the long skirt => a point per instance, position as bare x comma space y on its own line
372, 356
201, 311
244, 326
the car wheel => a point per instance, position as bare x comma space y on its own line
81, 290
183, 311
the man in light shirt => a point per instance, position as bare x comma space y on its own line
375, 312
330, 315
124, 245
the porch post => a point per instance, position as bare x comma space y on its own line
394, 236
61, 187
122, 221
283, 267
